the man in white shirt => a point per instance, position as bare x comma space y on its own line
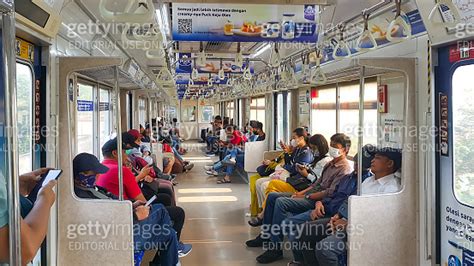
386, 162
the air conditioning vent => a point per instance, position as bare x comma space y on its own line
37, 15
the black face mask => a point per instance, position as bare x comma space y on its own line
255, 132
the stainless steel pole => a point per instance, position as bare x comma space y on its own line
9, 66
118, 123
360, 129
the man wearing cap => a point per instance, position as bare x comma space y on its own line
386, 162
109, 180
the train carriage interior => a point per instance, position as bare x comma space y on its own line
232, 132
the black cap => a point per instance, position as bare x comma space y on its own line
129, 139
366, 156
393, 154
111, 145
88, 162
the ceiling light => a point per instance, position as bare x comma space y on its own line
261, 50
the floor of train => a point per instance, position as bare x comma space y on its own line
216, 222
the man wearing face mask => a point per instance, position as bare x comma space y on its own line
109, 180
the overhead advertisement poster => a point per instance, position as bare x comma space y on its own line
244, 22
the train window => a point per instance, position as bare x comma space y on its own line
188, 113
463, 119
142, 111
170, 111
280, 134
283, 115
85, 118
24, 83
207, 113
105, 117
229, 109
323, 111
257, 110
349, 112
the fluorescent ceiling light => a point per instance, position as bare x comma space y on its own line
261, 50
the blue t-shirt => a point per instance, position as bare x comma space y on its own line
3, 202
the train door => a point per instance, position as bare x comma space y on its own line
455, 156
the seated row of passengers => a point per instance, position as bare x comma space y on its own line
228, 142
156, 227
303, 194
95, 180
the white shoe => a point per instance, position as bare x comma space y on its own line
208, 167
232, 160
212, 172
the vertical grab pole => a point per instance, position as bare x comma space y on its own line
361, 129
150, 112
119, 131
9, 66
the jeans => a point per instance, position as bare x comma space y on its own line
176, 153
283, 207
312, 233
239, 161
229, 169
156, 232
330, 250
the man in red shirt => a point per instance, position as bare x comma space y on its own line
109, 180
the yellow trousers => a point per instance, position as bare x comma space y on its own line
254, 208
280, 186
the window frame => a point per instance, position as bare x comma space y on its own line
256, 108
338, 105
32, 108
96, 88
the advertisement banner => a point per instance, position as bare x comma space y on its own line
186, 65
244, 22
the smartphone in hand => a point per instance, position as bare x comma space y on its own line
52, 174
150, 201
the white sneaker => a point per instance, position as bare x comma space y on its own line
212, 172
208, 167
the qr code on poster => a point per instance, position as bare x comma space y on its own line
185, 25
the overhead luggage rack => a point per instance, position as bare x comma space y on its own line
107, 75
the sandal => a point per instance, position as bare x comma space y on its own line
224, 181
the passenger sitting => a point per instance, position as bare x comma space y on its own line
298, 153
385, 163
324, 209
147, 155
280, 206
34, 224
233, 155
267, 168
86, 167
306, 175
213, 136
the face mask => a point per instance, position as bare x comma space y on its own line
294, 143
86, 180
334, 152
128, 152
255, 132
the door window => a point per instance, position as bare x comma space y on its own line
24, 105
463, 134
